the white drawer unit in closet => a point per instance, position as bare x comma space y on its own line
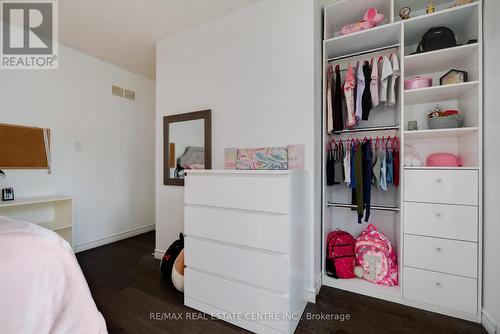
459, 187
442, 221
241, 265
443, 255
449, 291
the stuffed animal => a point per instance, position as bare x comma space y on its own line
412, 159
371, 19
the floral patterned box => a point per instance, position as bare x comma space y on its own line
271, 158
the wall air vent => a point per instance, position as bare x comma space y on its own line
129, 94
123, 93
117, 91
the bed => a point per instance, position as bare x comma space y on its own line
42, 287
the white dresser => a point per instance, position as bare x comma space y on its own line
441, 241
245, 247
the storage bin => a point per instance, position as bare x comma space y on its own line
417, 82
445, 122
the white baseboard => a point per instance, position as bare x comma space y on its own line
158, 254
488, 323
113, 238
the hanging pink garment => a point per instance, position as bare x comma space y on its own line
349, 85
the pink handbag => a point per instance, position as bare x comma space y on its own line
417, 82
443, 160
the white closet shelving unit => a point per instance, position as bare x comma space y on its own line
436, 221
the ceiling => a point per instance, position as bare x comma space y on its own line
124, 32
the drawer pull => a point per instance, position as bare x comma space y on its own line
439, 215
438, 284
439, 249
439, 180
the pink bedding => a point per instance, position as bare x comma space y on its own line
42, 288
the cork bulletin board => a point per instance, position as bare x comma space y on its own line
23, 147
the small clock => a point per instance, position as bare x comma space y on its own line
454, 77
404, 13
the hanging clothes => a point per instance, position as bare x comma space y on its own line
391, 98
347, 164
349, 86
396, 167
358, 170
330, 172
377, 165
367, 97
389, 166
385, 71
360, 88
383, 170
338, 123
329, 99
374, 84
352, 185
337, 164
367, 176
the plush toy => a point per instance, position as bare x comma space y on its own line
371, 19
358, 271
178, 272
412, 159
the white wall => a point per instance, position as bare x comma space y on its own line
255, 69
111, 178
491, 264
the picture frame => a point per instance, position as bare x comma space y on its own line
454, 76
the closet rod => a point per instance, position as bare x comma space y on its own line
364, 52
370, 128
372, 207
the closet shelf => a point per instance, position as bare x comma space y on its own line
371, 128
358, 285
439, 60
440, 133
453, 18
372, 207
438, 93
377, 37
441, 168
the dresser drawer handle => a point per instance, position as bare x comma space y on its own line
439, 215
438, 284
439, 180
439, 249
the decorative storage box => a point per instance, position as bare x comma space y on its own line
417, 82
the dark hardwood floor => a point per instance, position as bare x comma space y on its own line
127, 286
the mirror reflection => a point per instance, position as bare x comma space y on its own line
186, 143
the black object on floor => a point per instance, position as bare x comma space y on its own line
129, 290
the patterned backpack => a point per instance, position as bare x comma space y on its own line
377, 257
340, 256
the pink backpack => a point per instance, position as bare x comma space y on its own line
377, 257
340, 258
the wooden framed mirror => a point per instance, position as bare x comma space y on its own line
187, 144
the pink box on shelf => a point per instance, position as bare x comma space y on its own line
417, 82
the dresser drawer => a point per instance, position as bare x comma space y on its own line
443, 255
442, 186
266, 192
246, 228
439, 220
236, 299
266, 270
453, 292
